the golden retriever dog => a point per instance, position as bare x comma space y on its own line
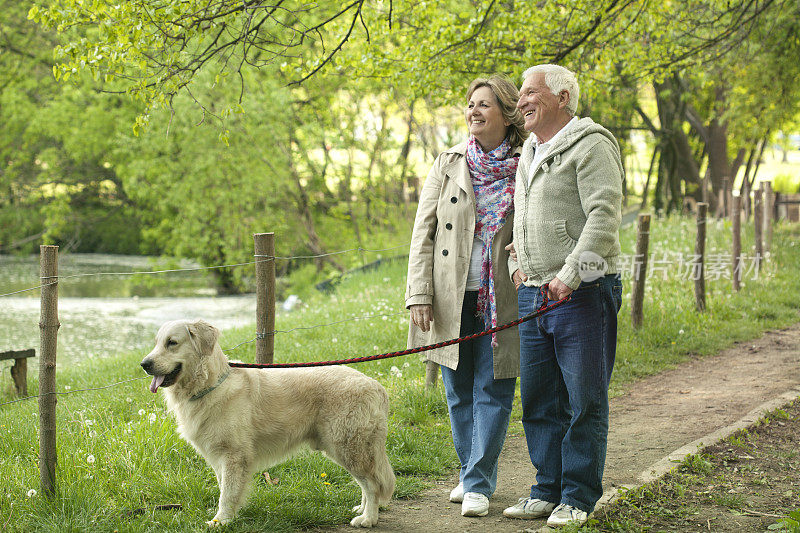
242, 420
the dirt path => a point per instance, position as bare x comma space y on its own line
652, 419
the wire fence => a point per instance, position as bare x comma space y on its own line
65, 393
259, 258
227, 350
262, 258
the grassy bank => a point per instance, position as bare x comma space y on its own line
745, 483
119, 453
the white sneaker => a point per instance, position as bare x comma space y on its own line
457, 494
566, 514
528, 508
475, 504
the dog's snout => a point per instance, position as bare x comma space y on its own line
147, 364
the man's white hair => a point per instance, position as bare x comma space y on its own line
557, 79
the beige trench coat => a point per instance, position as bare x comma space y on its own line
441, 247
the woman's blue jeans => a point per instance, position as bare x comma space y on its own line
566, 360
479, 405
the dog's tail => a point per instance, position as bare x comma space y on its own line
383, 468
385, 477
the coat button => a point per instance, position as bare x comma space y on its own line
444, 252
453, 199
448, 226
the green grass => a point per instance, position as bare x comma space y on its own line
138, 461
673, 330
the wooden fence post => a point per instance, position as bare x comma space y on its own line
758, 226
700, 257
431, 373
265, 297
48, 330
640, 270
769, 214
736, 248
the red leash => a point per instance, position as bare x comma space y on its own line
542, 310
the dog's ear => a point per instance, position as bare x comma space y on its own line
203, 336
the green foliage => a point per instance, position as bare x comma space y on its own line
697, 464
203, 104
153, 52
57, 183
315, 165
786, 184
789, 523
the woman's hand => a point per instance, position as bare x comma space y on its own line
422, 316
512, 251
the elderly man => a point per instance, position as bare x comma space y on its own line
566, 242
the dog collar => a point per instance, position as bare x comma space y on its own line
203, 392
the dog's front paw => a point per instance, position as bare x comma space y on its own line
364, 520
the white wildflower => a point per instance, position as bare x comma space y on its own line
31, 493
153, 417
90, 459
681, 332
141, 412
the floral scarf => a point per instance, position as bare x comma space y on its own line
493, 182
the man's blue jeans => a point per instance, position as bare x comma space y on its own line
567, 356
479, 405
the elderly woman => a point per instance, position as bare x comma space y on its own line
458, 282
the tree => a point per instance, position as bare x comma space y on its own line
55, 180
715, 113
153, 50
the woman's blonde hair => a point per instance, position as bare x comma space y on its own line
507, 96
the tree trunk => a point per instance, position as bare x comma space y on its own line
735, 165
303, 207
677, 162
760, 157
717, 145
649, 175
411, 193
374, 156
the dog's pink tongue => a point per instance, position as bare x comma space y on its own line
157, 381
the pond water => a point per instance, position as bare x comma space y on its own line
104, 309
